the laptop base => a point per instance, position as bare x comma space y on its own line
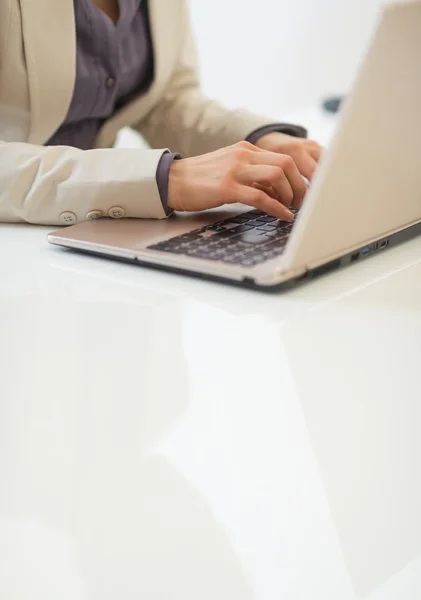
250, 283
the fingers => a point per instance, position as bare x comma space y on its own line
291, 171
307, 165
305, 153
315, 150
309, 159
268, 190
268, 177
259, 199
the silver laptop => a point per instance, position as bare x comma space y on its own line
365, 198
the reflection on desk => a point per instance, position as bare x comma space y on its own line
163, 437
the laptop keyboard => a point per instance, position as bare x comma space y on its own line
248, 239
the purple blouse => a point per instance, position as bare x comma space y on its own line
114, 64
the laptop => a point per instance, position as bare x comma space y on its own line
364, 199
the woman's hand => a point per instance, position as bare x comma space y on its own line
265, 180
306, 153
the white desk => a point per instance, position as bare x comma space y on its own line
163, 438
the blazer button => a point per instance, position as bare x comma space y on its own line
116, 212
94, 214
67, 218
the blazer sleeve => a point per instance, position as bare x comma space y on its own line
55, 185
184, 119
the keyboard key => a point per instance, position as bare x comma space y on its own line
284, 225
234, 231
245, 227
213, 226
173, 250
252, 238
249, 216
191, 246
240, 219
186, 237
250, 262
272, 234
267, 227
227, 233
202, 253
279, 243
267, 219
253, 223
236, 260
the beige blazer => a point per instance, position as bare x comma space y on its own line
41, 184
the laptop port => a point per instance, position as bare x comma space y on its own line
365, 251
354, 256
384, 244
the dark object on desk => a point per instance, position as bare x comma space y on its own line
333, 104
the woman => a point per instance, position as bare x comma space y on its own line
73, 72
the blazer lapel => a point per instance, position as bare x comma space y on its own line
162, 25
50, 51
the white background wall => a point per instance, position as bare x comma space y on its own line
276, 56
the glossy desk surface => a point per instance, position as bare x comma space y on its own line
163, 438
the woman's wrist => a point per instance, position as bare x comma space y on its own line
176, 178
163, 178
